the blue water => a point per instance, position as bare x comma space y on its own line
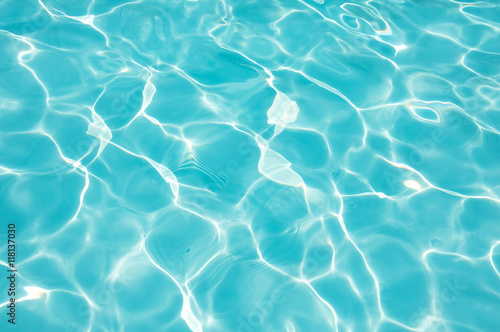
251, 165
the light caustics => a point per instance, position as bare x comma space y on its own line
252, 166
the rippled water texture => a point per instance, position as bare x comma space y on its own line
251, 165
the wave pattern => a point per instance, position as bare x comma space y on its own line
252, 165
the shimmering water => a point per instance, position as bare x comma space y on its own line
251, 165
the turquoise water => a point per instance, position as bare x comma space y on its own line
251, 165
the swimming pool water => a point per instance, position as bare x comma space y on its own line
248, 166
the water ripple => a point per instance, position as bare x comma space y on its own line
252, 166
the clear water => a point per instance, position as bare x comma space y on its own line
251, 165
